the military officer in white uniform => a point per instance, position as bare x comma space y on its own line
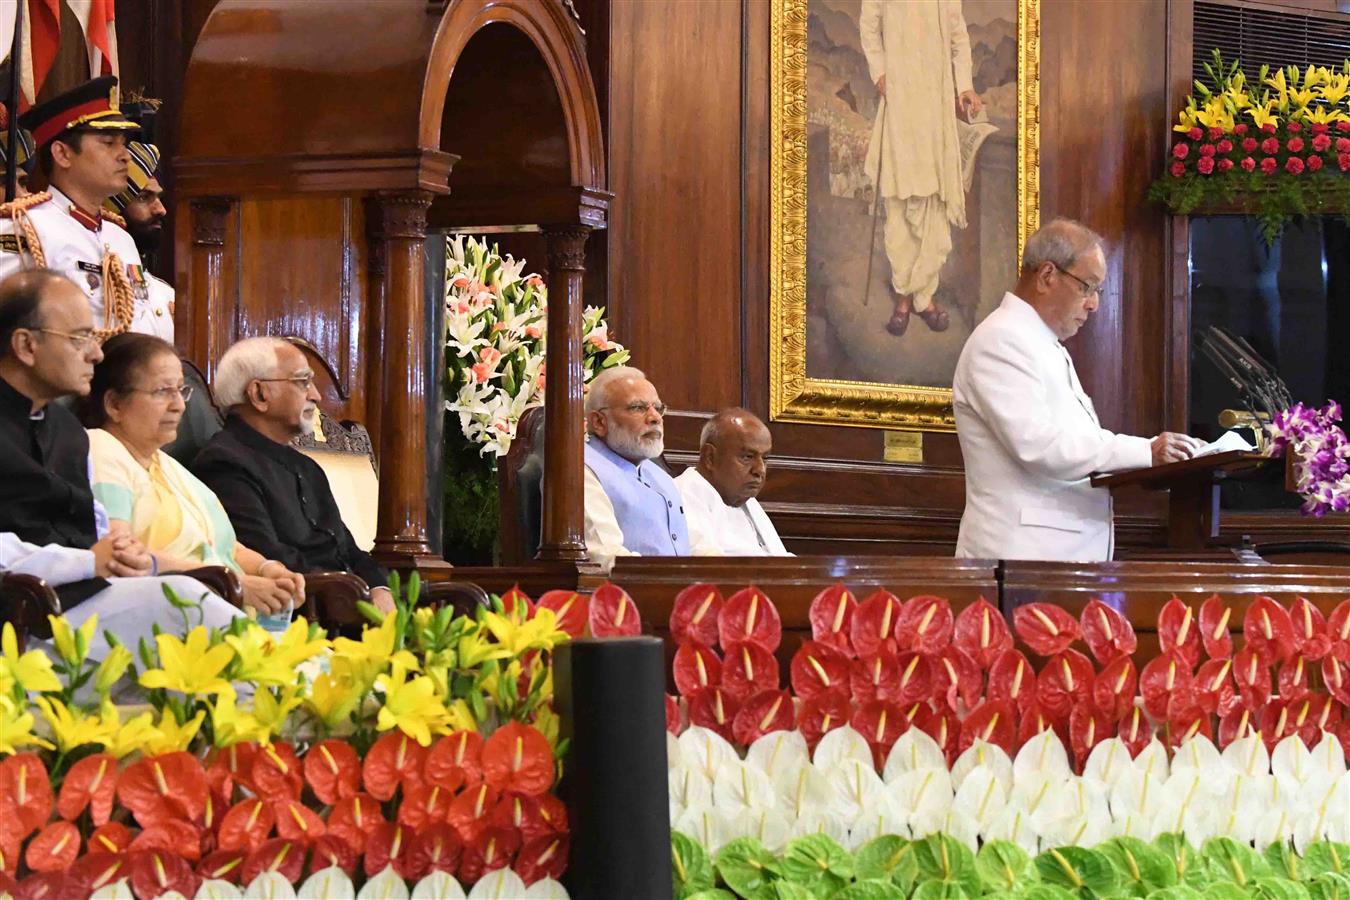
141, 206
81, 138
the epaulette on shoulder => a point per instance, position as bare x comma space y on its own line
26, 202
115, 219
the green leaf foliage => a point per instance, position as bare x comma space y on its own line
1231, 861
818, 863
692, 870
1326, 856
889, 856
872, 889
782, 890
1143, 869
943, 858
745, 866
1077, 869
933, 889
1003, 866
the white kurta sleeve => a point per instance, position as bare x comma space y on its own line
869, 32
1005, 390
961, 69
604, 537
53, 564
701, 542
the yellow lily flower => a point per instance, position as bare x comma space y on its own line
460, 717
229, 726
548, 723
257, 659
1302, 97
130, 736
169, 737
332, 698
271, 711
411, 706
1262, 116
72, 644
31, 671
16, 728
72, 729
1335, 88
189, 667
539, 633
1325, 115
1186, 119
475, 649
111, 670
376, 645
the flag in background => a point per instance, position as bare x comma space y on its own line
53, 59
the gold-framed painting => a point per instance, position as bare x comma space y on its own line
898, 211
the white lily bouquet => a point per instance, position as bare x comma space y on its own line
495, 341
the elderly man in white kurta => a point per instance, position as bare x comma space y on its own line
1029, 434
923, 49
720, 491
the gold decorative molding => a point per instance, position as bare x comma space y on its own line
793, 395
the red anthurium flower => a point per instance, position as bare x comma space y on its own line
956, 678
355, 820
672, 715
1088, 727
544, 857
1011, 678
1277, 722
693, 618
875, 677
25, 796
424, 804
613, 613
1045, 628
1325, 715
169, 786
1269, 631
714, 709
1252, 675
554, 813
390, 844
1035, 720
570, 608
516, 604
1293, 679
1162, 677
1179, 631
7, 884
749, 617
1310, 630
469, 812
247, 825
518, 758
925, 624
1113, 688
155, 872
1336, 677
175, 836
823, 713
277, 772
748, 669
1303, 713
881, 724
981, 631
1338, 631
521, 812
1215, 690
1237, 723
916, 680
95, 870
831, 617
91, 781
333, 771
818, 667
873, 626
332, 851
393, 759
45, 886
942, 726
1135, 731
1108, 634
224, 865
494, 849
1065, 678
231, 766
1214, 616
287, 858
764, 712
994, 722
437, 848
114, 837
696, 666
455, 761
1184, 726
297, 822
54, 848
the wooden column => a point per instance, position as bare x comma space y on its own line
562, 537
397, 225
206, 301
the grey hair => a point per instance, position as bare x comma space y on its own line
598, 394
1060, 241
712, 429
251, 358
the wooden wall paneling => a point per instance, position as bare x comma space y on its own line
1177, 231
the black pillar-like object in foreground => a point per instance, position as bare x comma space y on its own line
610, 695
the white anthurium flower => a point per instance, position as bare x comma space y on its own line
673, 754
1039, 796
1132, 823
705, 750
1339, 829
331, 882
913, 751
1186, 808
768, 826
1292, 762
856, 782
817, 822
436, 886
1316, 814
1076, 830
689, 787
926, 795
216, 889
1275, 825
1238, 811
839, 745
1153, 758
741, 786
1329, 755
988, 756
981, 796
1197, 753
270, 886
1211, 783
500, 884
1107, 762
1044, 754
882, 815
172, 895
777, 749
546, 889
708, 826
961, 826
1140, 790
118, 890
806, 791
1248, 755
1014, 825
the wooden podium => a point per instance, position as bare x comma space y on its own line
1192, 487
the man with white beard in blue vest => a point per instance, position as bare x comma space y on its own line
633, 507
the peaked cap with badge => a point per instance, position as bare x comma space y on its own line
90, 247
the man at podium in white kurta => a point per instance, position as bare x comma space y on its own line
1029, 434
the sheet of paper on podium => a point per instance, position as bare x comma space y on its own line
1229, 440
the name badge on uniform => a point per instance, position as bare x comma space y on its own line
93, 273
12, 243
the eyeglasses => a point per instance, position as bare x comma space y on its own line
639, 408
165, 394
81, 339
303, 382
1088, 287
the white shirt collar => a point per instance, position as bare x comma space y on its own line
1025, 313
